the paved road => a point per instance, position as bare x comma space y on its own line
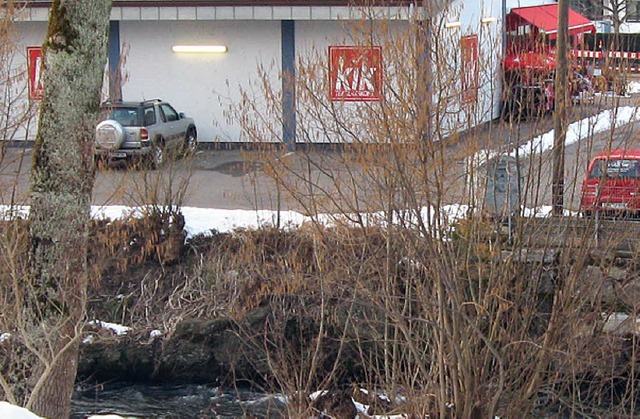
211, 179
236, 180
577, 157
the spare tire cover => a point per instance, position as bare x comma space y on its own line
109, 134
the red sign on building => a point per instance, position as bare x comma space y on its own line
34, 67
355, 74
469, 48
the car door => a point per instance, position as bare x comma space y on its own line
172, 126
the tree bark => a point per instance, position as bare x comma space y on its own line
560, 112
75, 53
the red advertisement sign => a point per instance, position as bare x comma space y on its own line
469, 48
34, 67
355, 74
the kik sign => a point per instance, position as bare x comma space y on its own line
355, 74
34, 68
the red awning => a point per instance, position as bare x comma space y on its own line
545, 18
540, 61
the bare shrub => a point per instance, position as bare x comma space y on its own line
469, 320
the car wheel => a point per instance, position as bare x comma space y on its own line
109, 135
157, 155
190, 142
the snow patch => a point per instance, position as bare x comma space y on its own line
633, 87
7, 410
576, 131
116, 328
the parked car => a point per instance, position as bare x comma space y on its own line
612, 184
149, 130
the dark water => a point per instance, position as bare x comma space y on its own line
184, 401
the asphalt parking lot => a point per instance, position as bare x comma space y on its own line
235, 179
211, 179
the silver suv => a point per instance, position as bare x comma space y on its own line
148, 130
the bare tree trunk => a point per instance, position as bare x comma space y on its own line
62, 180
560, 114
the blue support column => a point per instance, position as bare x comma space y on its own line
288, 84
115, 75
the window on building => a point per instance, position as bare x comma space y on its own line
592, 9
633, 10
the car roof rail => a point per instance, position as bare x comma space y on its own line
156, 100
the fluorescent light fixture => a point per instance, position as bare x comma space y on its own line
489, 19
453, 24
199, 48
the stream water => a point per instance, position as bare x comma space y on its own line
181, 401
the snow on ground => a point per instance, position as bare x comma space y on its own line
576, 131
633, 87
115, 328
203, 220
206, 220
604, 121
9, 411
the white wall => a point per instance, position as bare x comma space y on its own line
490, 53
457, 116
205, 86
314, 37
201, 85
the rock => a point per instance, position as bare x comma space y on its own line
215, 350
529, 255
621, 324
377, 404
547, 281
335, 404
590, 284
617, 273
630, 293
199, 351
117, 358
603, 257
609, 291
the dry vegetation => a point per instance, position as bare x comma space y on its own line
460, 318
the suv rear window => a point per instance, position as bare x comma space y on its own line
127, 117
615, 169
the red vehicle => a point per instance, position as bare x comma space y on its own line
530, 59
612, 184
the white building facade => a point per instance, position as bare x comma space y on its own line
265, 38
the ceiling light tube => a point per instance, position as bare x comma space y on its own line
200, 48
452, 25
489, 19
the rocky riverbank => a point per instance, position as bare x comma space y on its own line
251, 308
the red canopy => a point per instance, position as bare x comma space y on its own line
545, 18
541, 61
